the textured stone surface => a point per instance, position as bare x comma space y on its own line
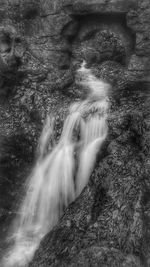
109, 224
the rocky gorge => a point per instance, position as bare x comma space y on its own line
42, 43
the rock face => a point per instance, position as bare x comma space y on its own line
42, 43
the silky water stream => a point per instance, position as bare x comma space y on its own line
55, 181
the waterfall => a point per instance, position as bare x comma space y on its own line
54, 181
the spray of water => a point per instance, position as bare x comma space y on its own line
54, 182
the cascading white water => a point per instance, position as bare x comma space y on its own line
94, 127
54, 182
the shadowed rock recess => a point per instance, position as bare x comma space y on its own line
42, 44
